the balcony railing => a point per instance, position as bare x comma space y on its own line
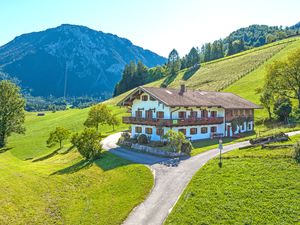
229, 118
173, 122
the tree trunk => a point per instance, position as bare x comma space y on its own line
60, 144
270, 113
2, 140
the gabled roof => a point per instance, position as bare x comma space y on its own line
175, 98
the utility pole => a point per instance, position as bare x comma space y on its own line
220, 148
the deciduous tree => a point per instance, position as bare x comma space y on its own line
98, 115
12, 114
57, 136
283, 77
88, 143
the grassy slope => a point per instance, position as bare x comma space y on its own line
218, 74
221, 73
101, 192
33, 143
64, 189
254, 186
246, 86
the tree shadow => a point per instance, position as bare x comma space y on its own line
5, 149
83, 164
190, 72
107, 161
53, 154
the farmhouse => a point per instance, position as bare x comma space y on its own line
197, 114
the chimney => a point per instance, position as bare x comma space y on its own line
182, 89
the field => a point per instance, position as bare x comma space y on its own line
254, 186
64, 188
219, 74
33, 143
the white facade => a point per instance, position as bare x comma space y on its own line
145, 102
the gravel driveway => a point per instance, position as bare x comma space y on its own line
169, 181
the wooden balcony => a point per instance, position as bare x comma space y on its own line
229, 118
173, 122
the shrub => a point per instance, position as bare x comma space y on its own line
283, 108
88, 143
125, 135
156, 144
297, 152
142, 139
186, 147
175, 139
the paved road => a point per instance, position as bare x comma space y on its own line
169, 181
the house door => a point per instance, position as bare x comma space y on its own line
149, 114
228, 131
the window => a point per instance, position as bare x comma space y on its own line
148, 130
193, 131
243, 126
203, 130
213, 129
249, 126
204, 113
193, 114
138, 129
152, 99
149, 114
138, 114
182, 115
182, 131
159, 131
213, 114
160, 115
145, 98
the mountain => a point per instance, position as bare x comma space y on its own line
72, 59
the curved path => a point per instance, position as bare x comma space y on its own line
169, 181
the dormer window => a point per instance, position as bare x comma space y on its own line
145, 98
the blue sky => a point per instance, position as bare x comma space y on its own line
158, 25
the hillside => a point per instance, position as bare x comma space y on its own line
64, 188
71, 60
241, 73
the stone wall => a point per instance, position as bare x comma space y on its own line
151, 150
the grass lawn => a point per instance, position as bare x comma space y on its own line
254, 186
33, 143
64, 188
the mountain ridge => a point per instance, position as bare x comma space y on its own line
85, 61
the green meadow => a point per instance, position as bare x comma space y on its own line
254, 186
38, 187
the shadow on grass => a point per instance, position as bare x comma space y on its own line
109, 161
53, 154
190, 72
2, 150
83, 164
